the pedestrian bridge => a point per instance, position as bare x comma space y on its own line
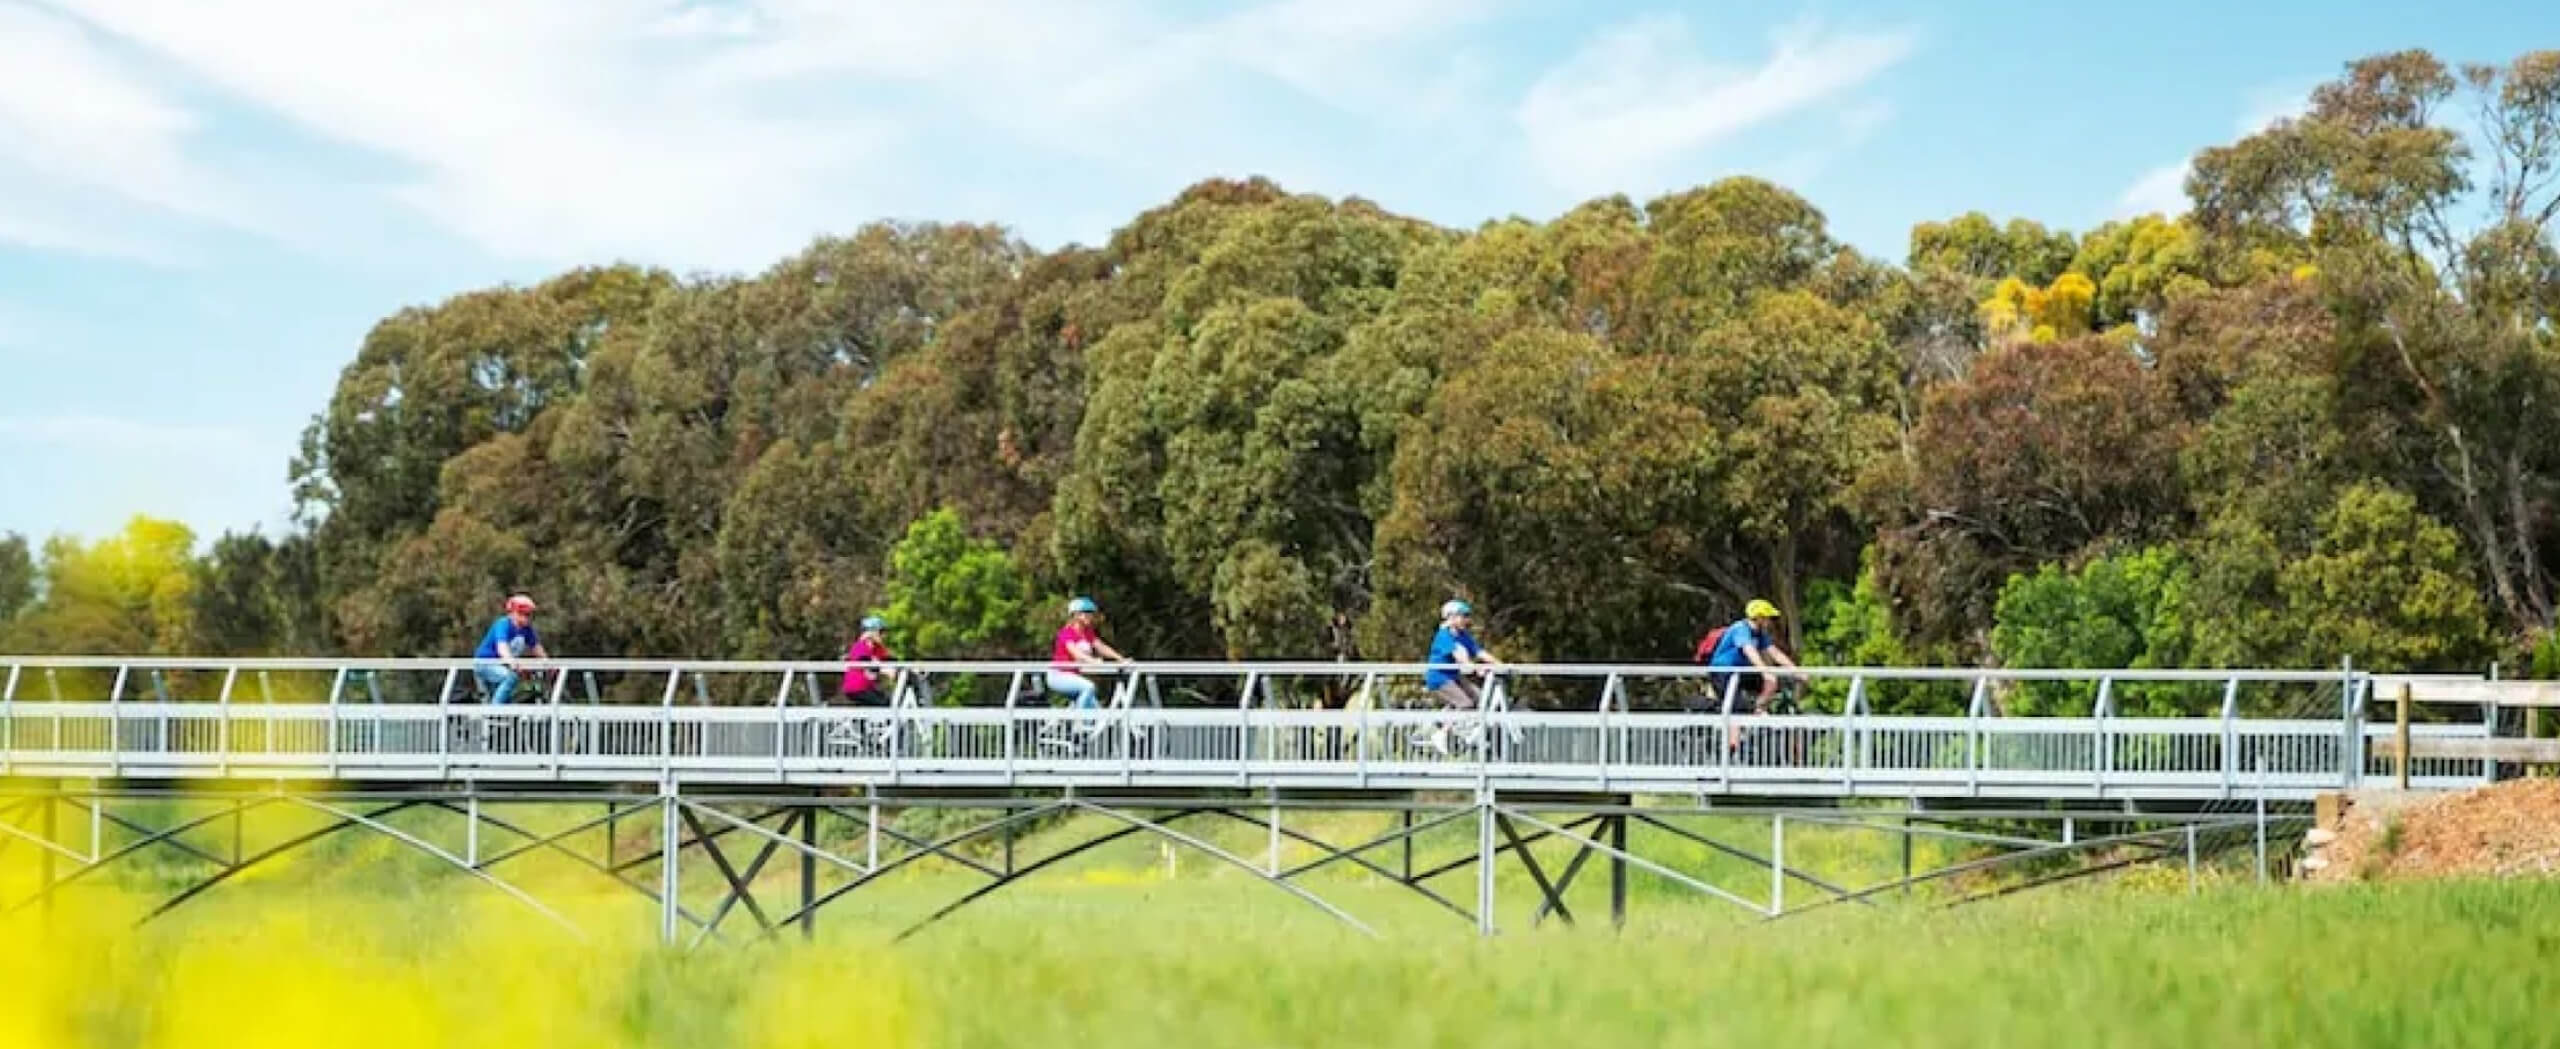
2111, 735
680, 781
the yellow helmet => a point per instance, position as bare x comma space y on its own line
1759, 609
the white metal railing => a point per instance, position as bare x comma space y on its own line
2039, 733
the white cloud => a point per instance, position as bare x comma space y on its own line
1361, 55
2161, 190
35, 215
83, 137
1640, 96
541, 131
705, 21
723, 132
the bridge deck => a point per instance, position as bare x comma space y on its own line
2251, 734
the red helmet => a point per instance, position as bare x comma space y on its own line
520, 603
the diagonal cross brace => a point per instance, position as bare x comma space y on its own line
866, 878
1554, 894
2086, 844
271, 852
554, 843
1564, 882
1019, 873
168, 837
1352, 855
1638, 861
1469, 859
1230, 858
1746, 855
375, 824
741, 886
131, 847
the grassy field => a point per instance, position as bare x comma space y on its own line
1116, 951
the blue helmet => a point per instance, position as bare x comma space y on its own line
871, 623
1082, 604
1457, 608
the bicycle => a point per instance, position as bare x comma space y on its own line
1770, 745
1462, 733
1743, 746
491, 732
855, 732
1112, 719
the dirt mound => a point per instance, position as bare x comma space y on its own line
2511, 829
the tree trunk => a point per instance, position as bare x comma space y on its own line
1783, 567
2528, 558
2483, 526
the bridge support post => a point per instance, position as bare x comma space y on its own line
809, 870
1484, 863
1404, 830
2262, 839
45, 883
1777, 865
1618, 869
2191, 859
669, 878
1905, 827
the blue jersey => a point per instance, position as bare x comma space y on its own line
1728, 651
1445, 647
516, 640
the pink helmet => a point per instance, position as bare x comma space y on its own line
520, 603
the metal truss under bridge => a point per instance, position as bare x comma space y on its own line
732, 764
706, 860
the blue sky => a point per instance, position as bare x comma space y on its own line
204, 206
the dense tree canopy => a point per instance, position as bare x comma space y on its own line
132, 593
2303, 422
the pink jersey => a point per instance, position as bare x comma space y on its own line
864, 649
1063, 652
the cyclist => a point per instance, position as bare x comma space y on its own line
1752, 684
1747, 649
862, 660
1078, 648
1455, 658
861, 688
503, 648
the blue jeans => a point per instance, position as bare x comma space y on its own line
1073, 684
498, 678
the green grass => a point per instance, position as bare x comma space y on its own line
2439, 966
1107, 956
